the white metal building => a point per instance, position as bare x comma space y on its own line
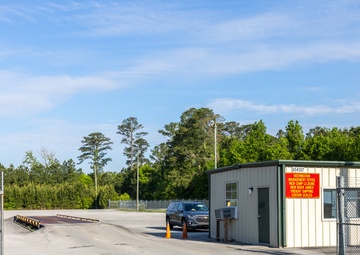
282, 203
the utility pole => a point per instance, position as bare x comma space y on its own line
137, 184
2, 214
215, 145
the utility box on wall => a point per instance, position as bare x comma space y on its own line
219, 214
229, 212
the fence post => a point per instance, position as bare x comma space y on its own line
2, 213
341, 214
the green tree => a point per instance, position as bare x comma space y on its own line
276, 149
316, 144
341, 144
37, 171
233, 129
255, 142
106, 192
95, 147
354, 153
19, 175
190, 151
295, 136
232, 151
47, 156
232, 145
134, 139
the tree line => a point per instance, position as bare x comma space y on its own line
175, 169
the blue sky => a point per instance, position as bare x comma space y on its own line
70, 68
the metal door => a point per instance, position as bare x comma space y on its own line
263, 215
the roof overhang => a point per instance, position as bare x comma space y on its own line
287, 163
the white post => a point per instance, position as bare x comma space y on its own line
2, 213
137, 184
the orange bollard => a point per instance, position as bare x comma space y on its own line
184, 234
168, 234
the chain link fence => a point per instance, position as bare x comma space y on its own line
147, 205
348, 215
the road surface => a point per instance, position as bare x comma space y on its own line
118, 232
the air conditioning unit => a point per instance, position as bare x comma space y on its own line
219, 214
230, 212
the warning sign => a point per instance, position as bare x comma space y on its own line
302, 185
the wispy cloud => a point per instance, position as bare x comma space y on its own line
10, 13
29, 93
223, 105
112, 18
58, 136
211, 45
212, 62
291, 20
24, 94
136, 18
288, 22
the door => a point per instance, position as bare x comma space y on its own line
179, 214
263, 215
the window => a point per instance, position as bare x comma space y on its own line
329, 203
351, 203
180, 207
231, 194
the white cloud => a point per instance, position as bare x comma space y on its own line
64, 139
136, 17
60, 137
223, 105
24, 94
216, 45
249, 28
212, 62
294, 22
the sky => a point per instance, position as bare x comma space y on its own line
71, 68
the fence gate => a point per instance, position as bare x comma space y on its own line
348, 215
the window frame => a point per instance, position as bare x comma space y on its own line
351, 201
333, 203
233, 199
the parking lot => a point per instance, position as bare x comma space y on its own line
119, 232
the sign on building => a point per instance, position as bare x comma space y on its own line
302, 185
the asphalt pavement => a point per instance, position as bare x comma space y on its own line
120, 232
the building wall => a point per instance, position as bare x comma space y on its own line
245, 228
305, 223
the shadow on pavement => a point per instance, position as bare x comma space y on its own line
202, 235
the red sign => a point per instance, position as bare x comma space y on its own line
302, 185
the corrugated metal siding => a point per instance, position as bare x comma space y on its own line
245, 228
305, 226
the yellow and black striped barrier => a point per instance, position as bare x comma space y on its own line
76, 218
29, 221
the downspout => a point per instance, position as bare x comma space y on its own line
279, 210
281, 206
209, 198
